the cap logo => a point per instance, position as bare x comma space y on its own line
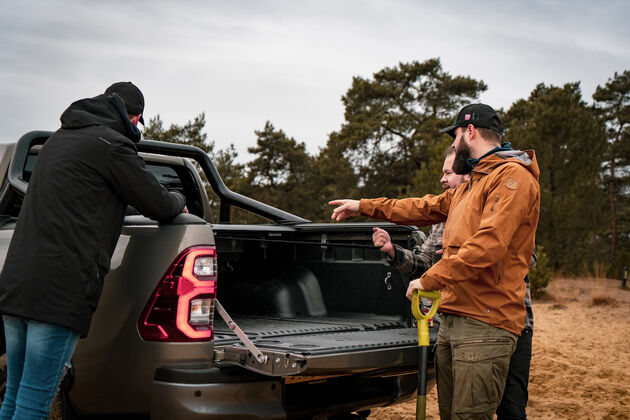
466, 117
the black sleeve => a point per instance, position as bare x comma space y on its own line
136, 185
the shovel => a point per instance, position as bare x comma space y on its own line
423, 344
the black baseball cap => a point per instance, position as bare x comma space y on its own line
479, 115
131, 95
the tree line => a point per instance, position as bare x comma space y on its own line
388, 145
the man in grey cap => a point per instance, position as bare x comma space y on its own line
86, 174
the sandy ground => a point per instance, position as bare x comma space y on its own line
581, 355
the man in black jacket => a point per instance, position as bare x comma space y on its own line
86, 174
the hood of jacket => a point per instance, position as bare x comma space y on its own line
526, 158
104, 110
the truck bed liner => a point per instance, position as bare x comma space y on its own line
340, 342
259, 328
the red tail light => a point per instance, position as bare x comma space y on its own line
181, 307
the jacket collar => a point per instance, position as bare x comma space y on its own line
489, 163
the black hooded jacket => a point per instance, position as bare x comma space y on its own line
85, 175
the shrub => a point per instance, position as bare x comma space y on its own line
604, 301
540, 276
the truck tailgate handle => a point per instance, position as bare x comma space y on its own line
260, 357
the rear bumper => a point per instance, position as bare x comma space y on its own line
211, 393
233, 393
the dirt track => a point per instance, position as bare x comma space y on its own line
581, 355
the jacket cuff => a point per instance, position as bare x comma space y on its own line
397, 259
366, 207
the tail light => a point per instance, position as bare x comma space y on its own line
181, 307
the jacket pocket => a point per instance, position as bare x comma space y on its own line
480, 367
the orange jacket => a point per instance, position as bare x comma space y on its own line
488, 240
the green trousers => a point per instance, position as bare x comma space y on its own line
472, 360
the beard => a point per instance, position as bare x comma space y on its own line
462, 154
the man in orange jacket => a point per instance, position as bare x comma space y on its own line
488, 240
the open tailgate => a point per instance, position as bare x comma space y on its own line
320, 345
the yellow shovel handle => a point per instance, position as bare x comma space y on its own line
423, 320
415, 303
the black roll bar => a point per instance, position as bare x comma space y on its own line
228, 197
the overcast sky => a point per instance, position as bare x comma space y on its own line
289, 62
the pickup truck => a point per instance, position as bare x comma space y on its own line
312, 322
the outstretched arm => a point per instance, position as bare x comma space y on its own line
423, 211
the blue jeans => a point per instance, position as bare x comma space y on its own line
37, 354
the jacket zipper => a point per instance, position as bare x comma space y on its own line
459, 210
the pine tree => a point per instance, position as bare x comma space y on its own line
281, 173
568, 140
392, 121
613, 101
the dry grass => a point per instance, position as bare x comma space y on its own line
595, 290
